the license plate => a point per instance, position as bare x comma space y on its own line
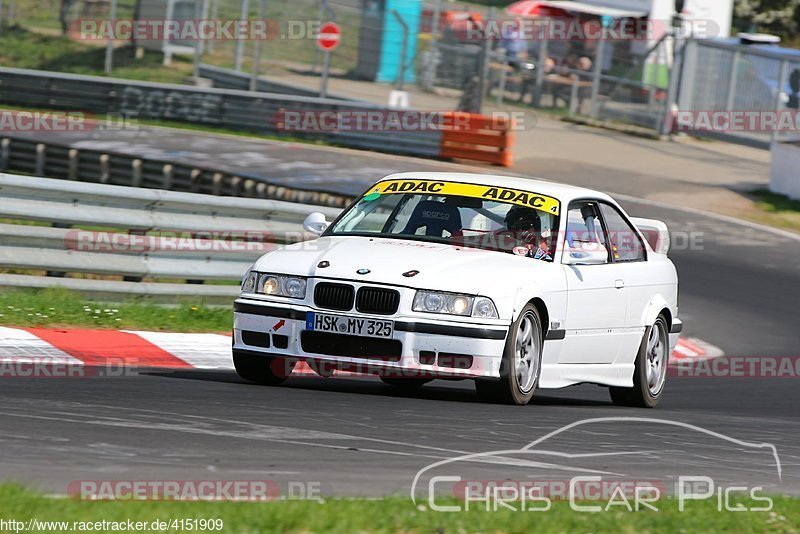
341, 324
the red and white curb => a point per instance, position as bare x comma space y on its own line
131, 348
693, 349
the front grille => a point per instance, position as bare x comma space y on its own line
377, 300
351, 346
334, 296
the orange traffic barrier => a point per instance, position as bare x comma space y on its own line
477, 137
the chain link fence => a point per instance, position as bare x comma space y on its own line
733, 78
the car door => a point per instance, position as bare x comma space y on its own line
596, 301
629, 254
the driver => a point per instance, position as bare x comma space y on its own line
526, 228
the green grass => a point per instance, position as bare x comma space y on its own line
776, 210
776, 203
24, 49
61, 308
398, 514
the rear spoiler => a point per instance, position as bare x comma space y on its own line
655, 232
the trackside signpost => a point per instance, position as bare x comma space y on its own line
328, 39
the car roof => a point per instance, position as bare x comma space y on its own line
563, 192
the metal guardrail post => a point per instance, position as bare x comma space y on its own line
72, 164
41, 154
167, 172
216, 182
136, 173
5, 153
105, 170
249, 187
195, 176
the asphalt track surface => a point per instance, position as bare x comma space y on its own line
739, 291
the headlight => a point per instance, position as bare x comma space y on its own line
454, 304
249, 282
278, 285
484, 308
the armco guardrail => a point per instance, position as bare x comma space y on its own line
53, 160
231, 79
224, 108
154, 235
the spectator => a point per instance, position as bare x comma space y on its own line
514, 43
794, 85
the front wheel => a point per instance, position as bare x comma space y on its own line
521, 364
261, 369
650, 371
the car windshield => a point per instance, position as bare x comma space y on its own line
470, 215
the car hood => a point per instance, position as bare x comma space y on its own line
442, 267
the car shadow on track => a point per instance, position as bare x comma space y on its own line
439, 390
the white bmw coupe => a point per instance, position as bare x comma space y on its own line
514, 283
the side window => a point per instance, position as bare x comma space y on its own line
584, 231
626, 245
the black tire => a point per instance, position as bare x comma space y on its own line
262, 370
405, 384
507, 390
642, 395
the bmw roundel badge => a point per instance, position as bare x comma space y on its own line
363, 271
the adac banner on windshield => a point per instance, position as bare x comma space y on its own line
484, 192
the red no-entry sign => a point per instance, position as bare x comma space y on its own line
329, 36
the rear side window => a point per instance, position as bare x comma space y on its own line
626, 245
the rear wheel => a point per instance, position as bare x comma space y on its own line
521, 364
650, 371
261, 369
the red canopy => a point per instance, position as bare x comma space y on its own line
534, 8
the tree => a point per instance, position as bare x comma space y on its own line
781, 17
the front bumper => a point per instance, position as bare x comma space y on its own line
279, 328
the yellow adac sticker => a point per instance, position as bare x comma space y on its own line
485, 192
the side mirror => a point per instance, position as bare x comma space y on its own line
315, 223
576, 256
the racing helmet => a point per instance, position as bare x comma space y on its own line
522, 219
